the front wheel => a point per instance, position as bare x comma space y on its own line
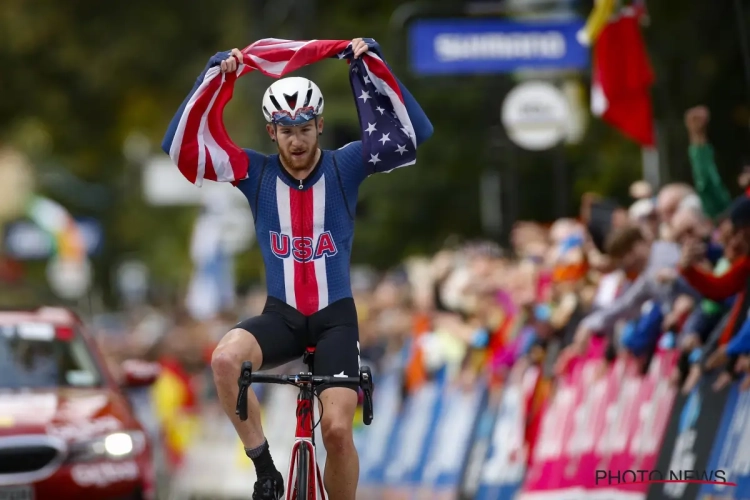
303, 474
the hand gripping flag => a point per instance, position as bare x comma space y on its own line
202, 149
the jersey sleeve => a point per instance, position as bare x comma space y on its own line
713, 193
422, 126
719, 288
351, 166
249, 185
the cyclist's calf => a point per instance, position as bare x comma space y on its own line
237, 346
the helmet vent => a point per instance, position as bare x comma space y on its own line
308, 97
275, 102
291, 100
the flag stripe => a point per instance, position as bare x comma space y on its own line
221, 166
203, 151
376, 66
268, 68
224, 151
185, 146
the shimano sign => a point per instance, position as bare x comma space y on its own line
543, 45
465, 46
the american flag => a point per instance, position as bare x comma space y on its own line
202, 148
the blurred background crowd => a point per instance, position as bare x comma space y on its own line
627, 246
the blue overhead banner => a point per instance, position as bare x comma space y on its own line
476, 46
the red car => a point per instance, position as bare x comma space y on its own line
67, 430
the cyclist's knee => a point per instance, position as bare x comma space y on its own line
337, 433
339, 405
237, 346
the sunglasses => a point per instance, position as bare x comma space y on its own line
286, 118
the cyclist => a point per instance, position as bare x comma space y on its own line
303, 200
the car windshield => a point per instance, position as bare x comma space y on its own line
39, 355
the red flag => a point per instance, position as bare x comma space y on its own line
622, 78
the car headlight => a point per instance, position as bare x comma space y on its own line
115, 446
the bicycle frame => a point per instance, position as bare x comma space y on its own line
304, 438
304, 472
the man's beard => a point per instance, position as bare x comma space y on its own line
299, 162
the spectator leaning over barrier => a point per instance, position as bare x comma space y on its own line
735, 281
690, 224
639, 260
676, 204
714, 203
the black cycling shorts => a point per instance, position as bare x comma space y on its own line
283, 333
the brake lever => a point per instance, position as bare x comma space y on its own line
244, 381
367, 387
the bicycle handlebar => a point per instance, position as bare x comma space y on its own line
247, 378
301, 379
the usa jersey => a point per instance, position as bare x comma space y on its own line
305, 229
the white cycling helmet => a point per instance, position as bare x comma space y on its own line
292, 101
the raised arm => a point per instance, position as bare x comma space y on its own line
713, 193
625, 307
722, 287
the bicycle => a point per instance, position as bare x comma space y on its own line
306, 476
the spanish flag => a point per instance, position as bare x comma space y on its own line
175, 404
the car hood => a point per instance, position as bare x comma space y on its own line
64, 413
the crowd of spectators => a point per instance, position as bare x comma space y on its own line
668, 271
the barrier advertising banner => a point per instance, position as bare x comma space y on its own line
606, 433
687, 443
730, 456
447, 452
600, 423
635, 428
413, 431
505, 463
547, 468
480, 444
375, 441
